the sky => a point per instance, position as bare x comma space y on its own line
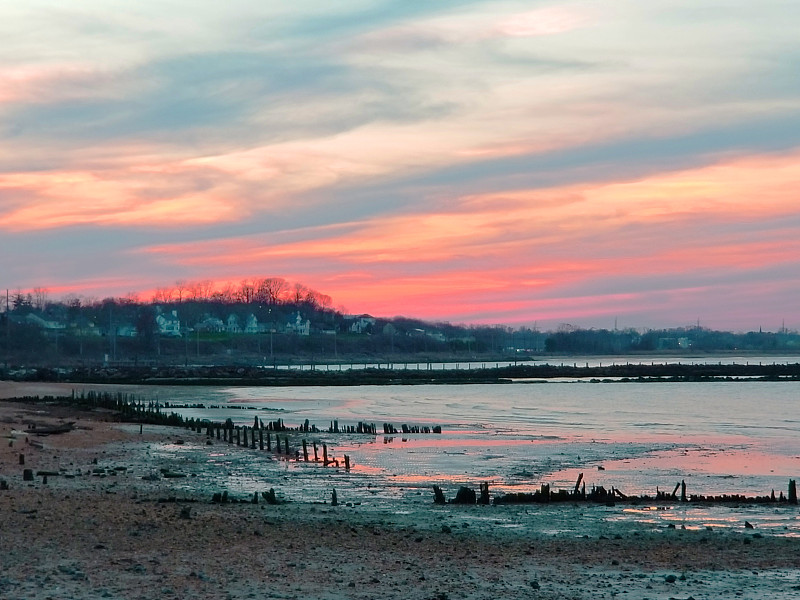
521, 163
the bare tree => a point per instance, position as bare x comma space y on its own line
272, 290
299, 293
180, 289
247, 291
162, 295
39, 298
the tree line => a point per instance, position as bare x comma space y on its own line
36, 329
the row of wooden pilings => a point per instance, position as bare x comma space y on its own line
467, 495
245, 437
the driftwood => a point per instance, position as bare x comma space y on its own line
51, 429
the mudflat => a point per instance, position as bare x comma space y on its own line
100, 519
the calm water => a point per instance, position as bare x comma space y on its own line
721, 437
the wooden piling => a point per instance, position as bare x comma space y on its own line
675, 491
316, 456
325, 454
269, 441
253, 439
22, 459
792, 492
484, 496
578, 484
261, 438
244, 435
683, 491
346, 462
305, 451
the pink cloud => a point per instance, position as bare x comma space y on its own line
484, 252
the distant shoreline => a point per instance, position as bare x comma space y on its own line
313, 375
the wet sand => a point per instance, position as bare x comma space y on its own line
98, 530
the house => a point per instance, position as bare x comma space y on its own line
361, 323
41, 323
233, 324
211, 324
251, 324
299, 326
126, 330
169, 324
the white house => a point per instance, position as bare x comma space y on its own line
299, 326
361, 323
251, 324
169, 324
212, 324
233, 324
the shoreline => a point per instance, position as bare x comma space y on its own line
104, 533
310, 375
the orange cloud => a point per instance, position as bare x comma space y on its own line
491, 250
139, 197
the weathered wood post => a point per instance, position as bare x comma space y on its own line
22, 459
244, 435
287, 445
252, 439
346, 462
792, 492
269, 441
683, 491
27, 475
218, 428
675, 491
140, 428
578, 484
238, 436
334, 499
305, 451
438, 496
325, 454
484, 497
261, 439
316, 456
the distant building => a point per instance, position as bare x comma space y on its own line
126, 331
210, 324
360, 323
251, 324
169, 324
299, 326
233, 324
41, 323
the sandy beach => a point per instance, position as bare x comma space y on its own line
106, 523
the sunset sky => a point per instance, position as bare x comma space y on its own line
477, 162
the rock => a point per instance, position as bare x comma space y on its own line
446, 529
748, 525
670, 578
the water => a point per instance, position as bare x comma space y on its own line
720, 437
